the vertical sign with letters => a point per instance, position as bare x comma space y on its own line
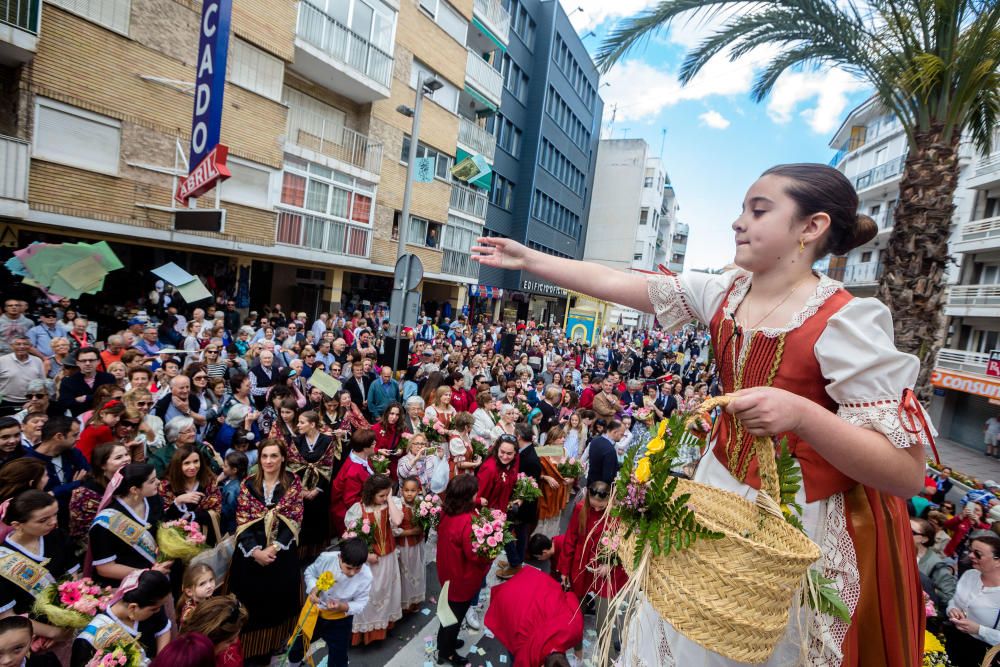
207, 165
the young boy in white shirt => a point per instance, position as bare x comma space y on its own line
338, 604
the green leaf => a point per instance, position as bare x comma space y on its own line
828, 599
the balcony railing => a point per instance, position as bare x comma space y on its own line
974, 295
981, 230
882, 172
343, 44
482, 75
469, 200
459, 264
13, 169
962, 360
323, 234
23, 14
990, 163
476, 138
496, 18
681, 228
862, 274
331, 138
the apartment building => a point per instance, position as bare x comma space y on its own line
626, 226
547, 133
94, 139
966, 382
672, 242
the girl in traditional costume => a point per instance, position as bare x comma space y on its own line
315, 457
410, 545
135, 615
122, 536
264, 574
189, 490
384, 513
108, 458
808, 361
33, 556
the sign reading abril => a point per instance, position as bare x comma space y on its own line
210, 85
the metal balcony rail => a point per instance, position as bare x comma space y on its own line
476, 137
483, 76
343, 44
459, 264
962, 360
323, 234
882, 172
974, 295
496, 16
331, 138
981, 230
859, 274
469, 200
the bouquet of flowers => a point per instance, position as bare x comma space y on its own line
490, 532
570, 468
120, 653
435, 430
180, 540
480, 447
379, 463
935, 654
428, 514
607, 549
526, 488
523, 408
72, 604
362, 528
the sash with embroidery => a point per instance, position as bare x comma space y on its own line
104, 631
26, 574
129, 531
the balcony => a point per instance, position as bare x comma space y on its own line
476, 139
973, 301
962, 360
459, 264
333, 55
880, 174
978, 235
323, 234
19, 20
494, 18
14, 163
861, 274
325, 136
480, 75
470, 201
987, 174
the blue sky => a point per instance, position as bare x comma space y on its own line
718, 140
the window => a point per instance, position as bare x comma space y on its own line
112, 14
445, 16
249, 184
866, 257
446, 96
522, 24
541, 248
557, 164
508, 135
443, 162
253, 69
644, 216
502, 192
567, 121
637, 257
555, 215
514, 79
76, 137
420, 232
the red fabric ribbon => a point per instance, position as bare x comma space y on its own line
911, 418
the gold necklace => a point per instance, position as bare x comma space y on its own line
778, 305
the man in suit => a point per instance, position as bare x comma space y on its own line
359, 384
76, 392
603, 457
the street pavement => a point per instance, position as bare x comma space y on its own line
967, 460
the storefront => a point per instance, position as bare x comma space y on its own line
546, 302
961, 405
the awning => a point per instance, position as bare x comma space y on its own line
479, 25
486, 291
479, 96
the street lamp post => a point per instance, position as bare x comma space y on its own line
425, 86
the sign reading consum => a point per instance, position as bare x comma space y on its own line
210, 85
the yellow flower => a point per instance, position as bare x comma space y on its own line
662, 430
932, 644
655, 446
325, 581
642, 471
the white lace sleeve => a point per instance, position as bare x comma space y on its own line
678, 299
867, 373
353, 513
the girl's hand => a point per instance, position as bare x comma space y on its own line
767, 411
164, 567
500, 253
372, 559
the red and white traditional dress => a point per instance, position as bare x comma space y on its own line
837, 351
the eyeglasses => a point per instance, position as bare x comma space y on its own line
200, 377
309, 356
31, 396
979, 554
207, 351
143, 404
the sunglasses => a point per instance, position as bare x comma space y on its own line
599, 494
508, 438
211, 351
143, 404
129, 424
200, 377
31, 396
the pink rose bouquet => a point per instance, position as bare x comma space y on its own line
72, 604
120, 653
490, 532
363, 528
428, 513
526, 488
379, 463
180, 540
570, 468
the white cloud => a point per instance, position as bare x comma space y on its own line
830, 87
596, 12
714, 120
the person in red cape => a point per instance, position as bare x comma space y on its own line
346, 488
457, 562
498, 474
534, 618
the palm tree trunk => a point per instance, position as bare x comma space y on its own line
913, 281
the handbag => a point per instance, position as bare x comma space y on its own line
219, 557
440, 475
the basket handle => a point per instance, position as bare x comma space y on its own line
990, 655
770, 493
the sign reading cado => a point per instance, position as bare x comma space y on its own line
207, 166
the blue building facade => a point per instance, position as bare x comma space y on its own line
547, 130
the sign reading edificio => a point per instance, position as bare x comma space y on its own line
207, 165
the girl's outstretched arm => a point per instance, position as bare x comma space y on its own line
596, 280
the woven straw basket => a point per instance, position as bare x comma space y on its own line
732, 595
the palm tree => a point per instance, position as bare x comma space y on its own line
934, 64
